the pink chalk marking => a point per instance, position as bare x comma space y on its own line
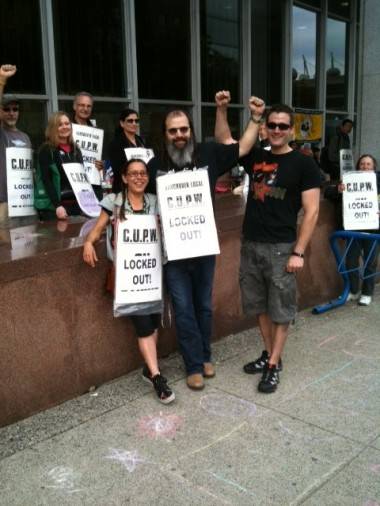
327, 340
375, 468
371, 503
159, 426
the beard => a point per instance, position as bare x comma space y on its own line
181, 158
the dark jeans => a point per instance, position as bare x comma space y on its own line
190, 287
362, 247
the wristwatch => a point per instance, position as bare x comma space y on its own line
255, 120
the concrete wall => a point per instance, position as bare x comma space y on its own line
369, 80
58, 336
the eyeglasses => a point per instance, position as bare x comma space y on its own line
281, 126
9, 109
182, 130
133, 120
135, 175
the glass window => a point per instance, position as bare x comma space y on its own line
208, 122
89, 47
220, 48
336, 65
33, 120
20, 44
340, 7
106, 115
267, 56
304, 58
163, 49
151, 120
312, 3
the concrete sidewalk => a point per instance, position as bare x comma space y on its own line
316, 441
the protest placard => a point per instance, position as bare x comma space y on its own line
138, 260
90, 142
187, 215
360, 202
82, 189
346, 161
143, 154
19, 163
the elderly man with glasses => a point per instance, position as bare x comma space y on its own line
10, 136
189, 281
281, 182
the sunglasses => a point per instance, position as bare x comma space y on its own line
132, 120
182, 130
9, 109
280, 126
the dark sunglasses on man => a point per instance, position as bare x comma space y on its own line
281, 126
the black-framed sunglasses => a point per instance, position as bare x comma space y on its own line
280, 126
11, 109
133, 120
183, 130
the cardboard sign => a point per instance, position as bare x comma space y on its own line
360, 202
346, 161
187, 215
19, 163
140, 153
138, 260
82, 189
90, 142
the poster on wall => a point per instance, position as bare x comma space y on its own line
82, 189
90, 141
187, 215
19, 163
138, 260
360, 202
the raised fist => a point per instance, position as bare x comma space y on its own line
222, 98
256, 106
7, 71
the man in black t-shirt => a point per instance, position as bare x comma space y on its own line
190, 280
281, 182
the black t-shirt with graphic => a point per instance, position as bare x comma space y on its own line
276, 183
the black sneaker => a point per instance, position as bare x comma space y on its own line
163, 391
269, 380
146, 375
258, 365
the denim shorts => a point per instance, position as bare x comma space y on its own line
265, 285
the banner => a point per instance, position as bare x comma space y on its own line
346, 161
90, 142
308, 125
360, 204
138, 260
143, 154
19, 163
82, 189
187, 215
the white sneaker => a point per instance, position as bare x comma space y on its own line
353, 296
365, 300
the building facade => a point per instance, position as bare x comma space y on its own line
320, 55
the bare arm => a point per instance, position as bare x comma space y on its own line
249, 137
6, 71
222, 128
89, 253
310, 205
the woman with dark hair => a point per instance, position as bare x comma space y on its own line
125, 137
359, 247
133, 200
53, 195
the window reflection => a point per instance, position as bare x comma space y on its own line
20, 44
163, 49
340, 7
304, 58
208, 122
220, 48
267, 55
336, 65
89, 47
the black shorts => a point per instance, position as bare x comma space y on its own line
145, 324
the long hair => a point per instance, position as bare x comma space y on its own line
124, 113
365, 156
124, 186
167, 163
51, 132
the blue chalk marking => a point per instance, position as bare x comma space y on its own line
233, 483
329, 375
